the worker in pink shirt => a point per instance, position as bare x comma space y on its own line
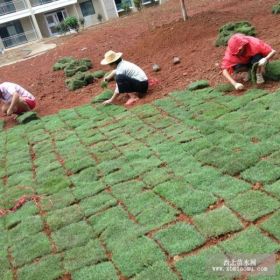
16, 99
241, 54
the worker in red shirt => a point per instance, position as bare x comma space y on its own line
241, 53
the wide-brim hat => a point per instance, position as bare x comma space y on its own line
110, 57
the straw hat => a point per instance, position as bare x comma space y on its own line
110, 57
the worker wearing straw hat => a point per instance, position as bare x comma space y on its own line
130, 78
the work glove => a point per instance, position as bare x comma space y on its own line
262, 61
239, 86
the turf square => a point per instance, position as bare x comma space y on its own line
62, 217
184, 197
96, 203
227, 186
272, 225
199, 266
274, 189
252, 205
263, 172
217, 222
30, 248
102, 271
250, 241
179, 238
79, 257
72, 235
133, 257
47, 268
58, 200
158, 271
157, 176
27, 226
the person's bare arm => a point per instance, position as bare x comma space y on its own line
237, 86
110, 76
264, 60
15, 100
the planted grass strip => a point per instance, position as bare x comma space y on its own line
274, 189
30, 248
252, 205
133, 257
263, 172
65, 216
80, 257
49, 267
189, 200
179, 238
52, 185
217, 222
250, 241
272, 225
27, 226
96, 203
190, 267
102, 271
76, 234
228, 187
158, 271
58, 200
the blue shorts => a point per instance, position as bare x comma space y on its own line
245, 67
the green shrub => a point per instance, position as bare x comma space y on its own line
72, 23
226, 31
276, 8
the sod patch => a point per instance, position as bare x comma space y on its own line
252, 205
179, 238
25, 227
133, 257
30, 248
49, 267
99, 202
272, 225
263, 172
102, 271
250, 241
190, 267
73, 235
158, 271
62, 217
189, 200
217, 222
79, 257
274, 189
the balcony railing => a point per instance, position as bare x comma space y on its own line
19, 39
12, 7
35, 3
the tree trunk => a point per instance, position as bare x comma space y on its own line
184, 10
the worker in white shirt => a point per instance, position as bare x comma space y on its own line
130, 78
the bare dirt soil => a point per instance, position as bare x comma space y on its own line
155, 35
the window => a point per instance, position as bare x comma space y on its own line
87, 8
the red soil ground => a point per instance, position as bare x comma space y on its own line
155, 35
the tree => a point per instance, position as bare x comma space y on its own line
184, 10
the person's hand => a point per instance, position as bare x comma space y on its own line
239, 86
262, 61
109, 101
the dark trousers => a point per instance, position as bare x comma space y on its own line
127, 85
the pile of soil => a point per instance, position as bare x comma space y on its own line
154, 35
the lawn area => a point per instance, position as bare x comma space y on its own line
142, 193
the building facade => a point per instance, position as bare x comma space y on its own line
24, 21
